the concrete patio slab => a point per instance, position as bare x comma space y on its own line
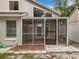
54, 48
43, 49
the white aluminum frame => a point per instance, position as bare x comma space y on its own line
57, 31
67, 32
44, 18
67, 40
44, 31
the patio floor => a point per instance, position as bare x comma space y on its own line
28, 48
75, 44
61, 48
44, 49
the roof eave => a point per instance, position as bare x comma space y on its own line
12, 14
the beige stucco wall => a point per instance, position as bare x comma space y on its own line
73, 26
24, 5
2, 30
4, 4
7, 40
19, 31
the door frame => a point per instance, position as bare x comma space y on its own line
56, 31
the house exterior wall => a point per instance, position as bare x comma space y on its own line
24, 6
3, 28
4, 4
19, 32
73, 26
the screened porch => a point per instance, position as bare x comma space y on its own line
44, 31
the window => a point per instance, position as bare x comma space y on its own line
38, 31
13, 5
38, 12
48, 14
11, 28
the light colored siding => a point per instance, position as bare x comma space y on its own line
2, 30
9, 41
73, 18
4, 4
24, 5
19, 32
73, 26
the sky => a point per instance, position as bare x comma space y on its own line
51, 4
70, 2
48, 3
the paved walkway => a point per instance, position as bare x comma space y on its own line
72, 43
61, 48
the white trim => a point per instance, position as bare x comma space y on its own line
12, 13
44, 31
67, 33
56, 31
32, 31
10, 38
21, 30
53, 18
33, 44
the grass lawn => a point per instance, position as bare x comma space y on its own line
39, 56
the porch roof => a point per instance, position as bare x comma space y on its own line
47, 18
12, 13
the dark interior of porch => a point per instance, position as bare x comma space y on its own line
41, 31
